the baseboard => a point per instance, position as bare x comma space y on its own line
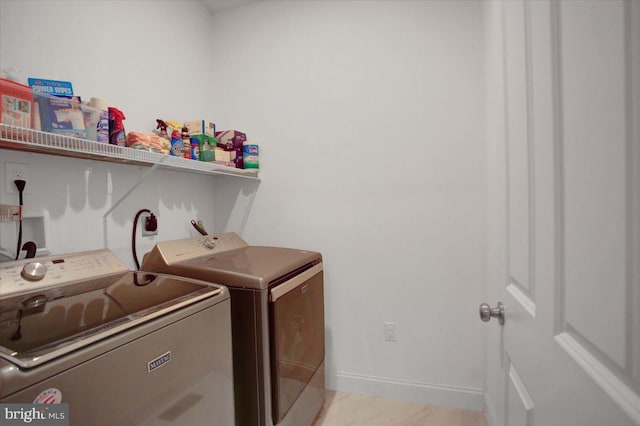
424, 393
489, 411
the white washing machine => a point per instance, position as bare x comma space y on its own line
277, 311
119, 347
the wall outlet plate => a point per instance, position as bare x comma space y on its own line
390, 331
15, 171
149, 225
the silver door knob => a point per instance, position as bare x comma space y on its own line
487, 312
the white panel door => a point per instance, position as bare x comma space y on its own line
571, 338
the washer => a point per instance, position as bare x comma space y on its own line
118, 347
277, 321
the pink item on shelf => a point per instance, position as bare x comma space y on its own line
232, 140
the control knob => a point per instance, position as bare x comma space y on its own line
34, 271
209, 242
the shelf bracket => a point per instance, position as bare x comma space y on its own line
124, 196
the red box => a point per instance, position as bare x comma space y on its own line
16, 104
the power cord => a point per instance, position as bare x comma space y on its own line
133, 236
29, 246
20, 184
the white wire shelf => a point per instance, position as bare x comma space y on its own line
21, 139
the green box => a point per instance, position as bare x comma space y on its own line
207, 143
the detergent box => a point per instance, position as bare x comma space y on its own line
60, 111
207, 144
62, 115
200, 127
51, 87
224, 158
232, 140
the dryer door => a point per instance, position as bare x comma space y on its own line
296, 316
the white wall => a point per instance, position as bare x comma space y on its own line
370, 120
144, 59
126, 52
369, 116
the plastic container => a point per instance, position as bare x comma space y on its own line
176, 144
117, 135
250, 152
16, 104
195, 148
102, 129
98, 117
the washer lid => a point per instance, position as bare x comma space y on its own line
254, 267
38, 327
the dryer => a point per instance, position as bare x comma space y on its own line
277, 321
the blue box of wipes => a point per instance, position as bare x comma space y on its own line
51, 87
60, 111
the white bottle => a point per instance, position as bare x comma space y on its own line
102, 126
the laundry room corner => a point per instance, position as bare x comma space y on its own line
320, 212
370, 120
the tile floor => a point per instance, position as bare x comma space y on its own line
346, 409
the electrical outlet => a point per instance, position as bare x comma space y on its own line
149, 224
390, 329
15, 171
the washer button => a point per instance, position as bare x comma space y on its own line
34, 271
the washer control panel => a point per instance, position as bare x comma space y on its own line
30, 274
195, 247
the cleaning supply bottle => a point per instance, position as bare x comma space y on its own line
101, 109
250, 155
117, 135
102, 127
186, 143
195, 148
176, 144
